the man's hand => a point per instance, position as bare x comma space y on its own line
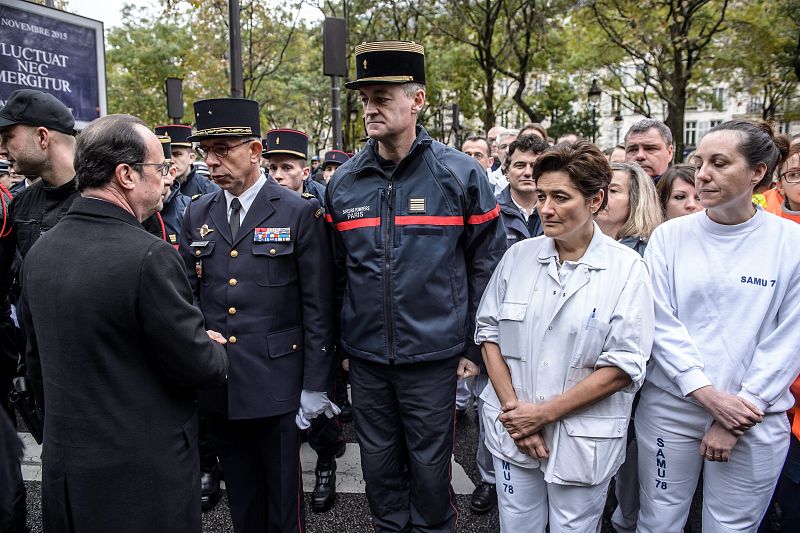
717, 443
346, 364
524, 419
216, 336
533, 445
467, 369
735, 414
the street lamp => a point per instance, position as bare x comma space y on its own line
618, 125
594, 102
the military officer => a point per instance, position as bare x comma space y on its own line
287, 152
247, 248
193, 179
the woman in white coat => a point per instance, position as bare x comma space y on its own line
727, 292
566, 327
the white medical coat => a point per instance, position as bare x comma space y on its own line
552, 337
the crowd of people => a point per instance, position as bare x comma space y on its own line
191, 300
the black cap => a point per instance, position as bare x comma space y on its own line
5, 166
35, 108
388, 62
178, 133
225, 117
166, 145
336, 157
291, 142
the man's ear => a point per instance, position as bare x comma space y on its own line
42, 136
124, 176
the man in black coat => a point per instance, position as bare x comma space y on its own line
259, 262
115, 348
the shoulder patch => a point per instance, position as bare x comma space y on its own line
308, 195
319, 212
196, 196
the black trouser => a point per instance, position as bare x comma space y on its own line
325, 434
404, 418
205, 443
261, 460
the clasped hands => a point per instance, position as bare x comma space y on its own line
524, 423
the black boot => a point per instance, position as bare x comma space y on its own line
209, 487
324, 494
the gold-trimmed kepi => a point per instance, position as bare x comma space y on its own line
179, 133
381, 62
225, 117
166, 146
285, 141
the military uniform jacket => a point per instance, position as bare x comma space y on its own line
269, 291
118, 348
172, 214
414, 248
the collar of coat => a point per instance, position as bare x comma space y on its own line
595, 256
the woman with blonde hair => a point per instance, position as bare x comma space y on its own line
633, 209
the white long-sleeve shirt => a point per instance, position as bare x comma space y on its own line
727, 307
554, 328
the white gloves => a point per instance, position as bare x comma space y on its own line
313, 404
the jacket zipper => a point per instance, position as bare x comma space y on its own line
388, 241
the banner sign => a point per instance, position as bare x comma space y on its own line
55, 52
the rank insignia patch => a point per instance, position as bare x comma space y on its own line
272, 235
416, 205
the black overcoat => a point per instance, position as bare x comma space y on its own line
118, 350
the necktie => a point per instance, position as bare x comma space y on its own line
236, 205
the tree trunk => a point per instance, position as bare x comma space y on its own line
676, 109
489, 116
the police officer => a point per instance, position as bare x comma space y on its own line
287, 151
416, 235
192, 177
255, 254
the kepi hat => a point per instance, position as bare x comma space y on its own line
383, 62
178, 133
284, 141
335, 157
225, 117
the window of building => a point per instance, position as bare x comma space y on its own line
719, 98
690, 132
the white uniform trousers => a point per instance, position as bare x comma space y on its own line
483, 457
526, 502
735, 494
626, 489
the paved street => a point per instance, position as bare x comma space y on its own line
349, 515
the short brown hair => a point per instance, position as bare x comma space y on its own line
583, 162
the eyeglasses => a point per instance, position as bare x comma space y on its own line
219, 150
791, 176
163, 168
476, 155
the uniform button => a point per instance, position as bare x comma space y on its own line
549, 328
232, 339
232, 311
294, 346
546, 363
272, 251
197, 253
234, 253
232, 282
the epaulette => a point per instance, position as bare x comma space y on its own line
308, 195
196, 196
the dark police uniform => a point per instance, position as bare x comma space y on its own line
415, 244
197, 180
266, 291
